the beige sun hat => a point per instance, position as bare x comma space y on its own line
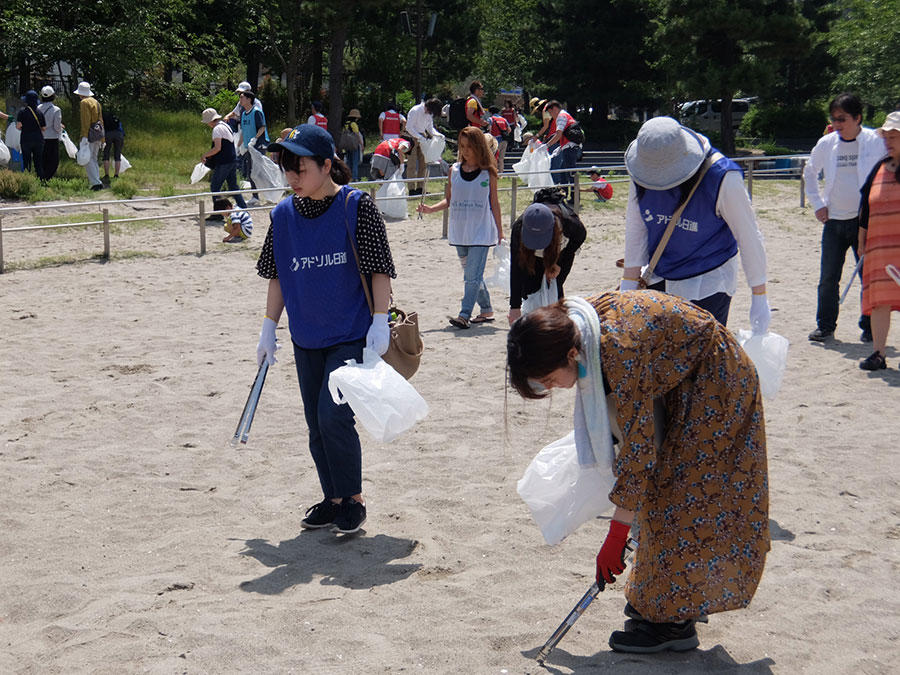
210, 115
354, 112
891, 123
664, 154
84, 89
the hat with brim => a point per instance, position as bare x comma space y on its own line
664, 154
84, 89
537, 226
535, 106
891, 123
354, 112
306, 140
47, 91
242, 87
210, 115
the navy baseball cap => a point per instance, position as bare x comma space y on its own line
306, 140
538, 222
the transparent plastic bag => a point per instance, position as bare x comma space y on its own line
769, 354
380, 397
200, 170
500, 278
4, 155
70, 147
268, 176
84, 153
540, 169
13, 137
125, 164
523, 166
547, 294
560, 493
433, 148
391, 198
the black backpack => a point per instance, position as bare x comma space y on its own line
507, 133
553, 196
574, 133
457, 113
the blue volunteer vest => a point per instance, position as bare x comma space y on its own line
248, 125
702, 240
320, 281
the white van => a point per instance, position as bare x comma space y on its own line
707, 115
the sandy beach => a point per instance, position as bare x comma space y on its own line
135, 539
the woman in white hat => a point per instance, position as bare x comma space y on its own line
879, 241
52, 131
699, 263
90, 113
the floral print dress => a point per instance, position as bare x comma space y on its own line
701, 500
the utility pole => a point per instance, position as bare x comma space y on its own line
417, 92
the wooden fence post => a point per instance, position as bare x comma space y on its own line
106, 233
750, 178
576, 196
512, 208
202, 223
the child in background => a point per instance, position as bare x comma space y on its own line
238, 225
599, 186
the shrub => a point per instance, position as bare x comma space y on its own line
768, 120
17, 185
124, 188
772, 149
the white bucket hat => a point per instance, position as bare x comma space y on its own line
84, 89
664, 154
47, 91
242, 87
210, 115
891, 123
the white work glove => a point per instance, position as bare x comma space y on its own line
379, 336
760, 314
265, 350
628, 285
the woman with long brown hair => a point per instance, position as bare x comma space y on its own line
475, 226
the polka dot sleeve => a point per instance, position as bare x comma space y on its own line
371, 240
265, 265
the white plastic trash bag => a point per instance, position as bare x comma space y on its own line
523, 166
70, 147
200, 170
84, 153
433, 148
562, 494
4, 155
124, 164
540, 168
380, 397
500, 278
547, 294
13, 137
268, 176
391, 198
769, 354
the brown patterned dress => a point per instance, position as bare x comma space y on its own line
701, 501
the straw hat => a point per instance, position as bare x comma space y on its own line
664, 154
354, 112
891, 123
538, 104
210, 115
84, 89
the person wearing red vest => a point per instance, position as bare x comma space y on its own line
501, 130
390, 122
317, 117
389, 157
509, 114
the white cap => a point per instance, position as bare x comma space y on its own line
47, 91
243, 86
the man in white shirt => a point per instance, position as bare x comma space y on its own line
420, 125
846, 156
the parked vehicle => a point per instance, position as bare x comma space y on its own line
707, 115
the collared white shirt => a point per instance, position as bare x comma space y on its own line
418, 121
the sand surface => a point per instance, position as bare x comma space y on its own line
134, 538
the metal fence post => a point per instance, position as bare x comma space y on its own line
106, 233
512, 208
202, 223
446, 223
576, 197
802, 184
750, 178
1, 245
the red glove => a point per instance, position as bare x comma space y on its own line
611, 558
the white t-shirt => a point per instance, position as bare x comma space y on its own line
223, 131
844, 203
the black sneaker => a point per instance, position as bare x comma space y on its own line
874, 362
819, 335
866, 336
649, 638
351, 517
97, 187
319, 515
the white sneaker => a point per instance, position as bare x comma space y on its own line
253, 201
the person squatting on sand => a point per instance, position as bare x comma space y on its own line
879, 241
474, 223
308, 257
699, 263
699, 502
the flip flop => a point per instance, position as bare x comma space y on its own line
459, 322
481, 318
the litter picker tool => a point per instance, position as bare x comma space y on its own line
578, 610
850, 283
893, 273
243, 427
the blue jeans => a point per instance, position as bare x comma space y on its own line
246, 164
353, 159
226, 173
565, 159
837, 237
333, 440
473, 259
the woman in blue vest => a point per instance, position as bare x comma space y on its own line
254, 133
309, 260
700, 261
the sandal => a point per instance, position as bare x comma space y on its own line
482, 318
459, 322
874, 362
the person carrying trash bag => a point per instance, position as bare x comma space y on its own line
543, 244
699, 502
309, 258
